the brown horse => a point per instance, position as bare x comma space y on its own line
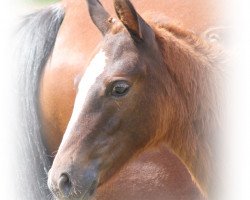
171, 89
147, 83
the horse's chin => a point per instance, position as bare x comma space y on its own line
87, 197
90, 193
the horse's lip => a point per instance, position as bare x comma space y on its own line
88, 193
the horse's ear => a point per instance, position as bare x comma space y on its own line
134, 23
99, 16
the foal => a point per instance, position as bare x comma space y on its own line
148, 83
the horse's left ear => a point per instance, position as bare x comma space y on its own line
134, 23
99, 16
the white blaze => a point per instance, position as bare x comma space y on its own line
95, 69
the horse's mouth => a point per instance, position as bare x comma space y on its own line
89, 193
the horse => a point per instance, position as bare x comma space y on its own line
58, 24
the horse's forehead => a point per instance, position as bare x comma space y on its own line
118, 45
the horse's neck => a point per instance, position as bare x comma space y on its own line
192, 65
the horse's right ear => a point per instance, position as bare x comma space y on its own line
99, 16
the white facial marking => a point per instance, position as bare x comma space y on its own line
95, 69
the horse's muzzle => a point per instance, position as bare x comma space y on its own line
73, 186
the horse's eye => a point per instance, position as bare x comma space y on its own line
120, 88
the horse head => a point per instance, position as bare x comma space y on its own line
118, 108
148, 82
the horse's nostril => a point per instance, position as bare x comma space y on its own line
64, 184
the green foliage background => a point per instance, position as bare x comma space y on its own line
40, 1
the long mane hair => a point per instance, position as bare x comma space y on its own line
36, 38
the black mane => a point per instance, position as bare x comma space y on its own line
36, 38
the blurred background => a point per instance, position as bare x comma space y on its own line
28, 6
39, 2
